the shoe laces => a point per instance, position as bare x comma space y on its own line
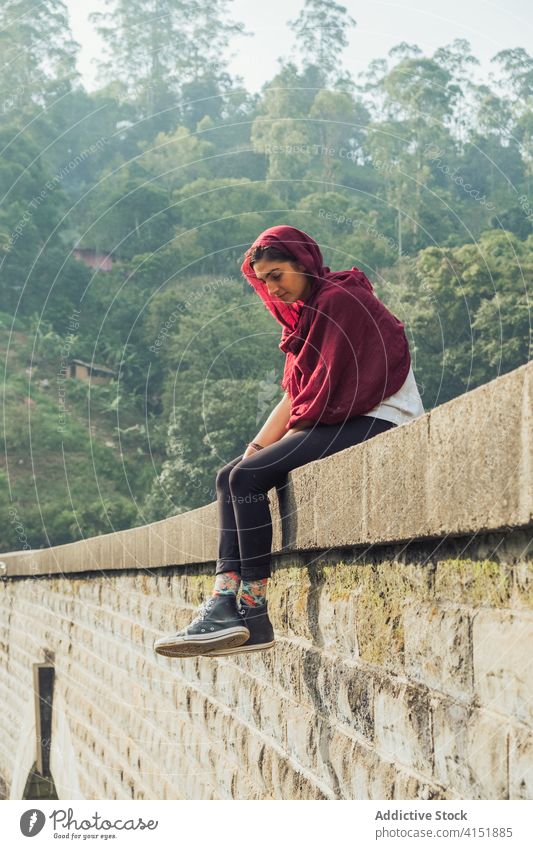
203, 610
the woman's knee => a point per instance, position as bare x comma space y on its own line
235, 478
243, 479
223, 474
249, 484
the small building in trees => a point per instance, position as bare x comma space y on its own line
81, 370
95, 259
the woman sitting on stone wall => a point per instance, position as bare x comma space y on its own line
347, 378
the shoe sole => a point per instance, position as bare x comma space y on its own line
220, 652
236, 637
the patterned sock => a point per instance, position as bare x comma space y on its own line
227, 583
254, 592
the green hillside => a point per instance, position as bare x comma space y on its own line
66, 475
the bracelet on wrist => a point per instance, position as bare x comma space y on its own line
256, 445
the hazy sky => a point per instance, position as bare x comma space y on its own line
489, 26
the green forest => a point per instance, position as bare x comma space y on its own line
170, 168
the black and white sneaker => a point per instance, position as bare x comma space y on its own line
217, 625
261, 631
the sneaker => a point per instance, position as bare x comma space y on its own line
261, 631
218, 625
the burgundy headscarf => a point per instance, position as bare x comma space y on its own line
346, 352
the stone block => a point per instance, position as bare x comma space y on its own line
503, 671
337, 610
438, 649
470, 751
207, 524
396, 465
281, 779
156, 542
302, 600
302, 737
136, 548
285, 670
480, 582
382, 592
111, 554
360, 771
292, 505
269, 714
340, 691
340, 509
408, 786
403, 724
476, 458
179, 534
354, 699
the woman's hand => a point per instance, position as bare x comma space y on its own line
302, 425
250, 451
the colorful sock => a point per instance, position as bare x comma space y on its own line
227, 583
254, 592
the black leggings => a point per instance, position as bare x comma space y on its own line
245, 522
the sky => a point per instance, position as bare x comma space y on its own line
381, 24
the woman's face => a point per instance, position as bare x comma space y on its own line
283, 279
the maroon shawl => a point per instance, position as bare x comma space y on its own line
346, 352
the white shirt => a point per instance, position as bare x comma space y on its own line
402, 407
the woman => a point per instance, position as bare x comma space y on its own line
347, 378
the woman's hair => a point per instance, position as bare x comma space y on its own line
268, 252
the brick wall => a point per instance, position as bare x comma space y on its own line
396, 674
402, 666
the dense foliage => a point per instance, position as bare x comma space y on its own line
415, 173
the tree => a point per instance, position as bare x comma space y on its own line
217, 219
129, 213
33, 267
143, 43
212, 423
156, 47
517, 77
209, 34
457, 59
468, 310
38, 53
177, 158
337, 128
321, 32
517, 84
280, 129
417, 99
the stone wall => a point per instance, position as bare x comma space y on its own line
402, 666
